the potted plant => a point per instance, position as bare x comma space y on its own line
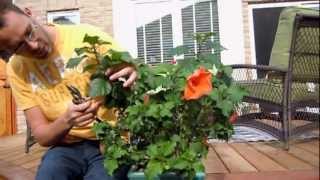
165, 120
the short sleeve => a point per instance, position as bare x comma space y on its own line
21, 90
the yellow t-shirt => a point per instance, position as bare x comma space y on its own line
43, 83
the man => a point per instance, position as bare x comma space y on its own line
38, 79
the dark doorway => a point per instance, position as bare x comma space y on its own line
265, 22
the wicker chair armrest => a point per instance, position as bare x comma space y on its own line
259, 67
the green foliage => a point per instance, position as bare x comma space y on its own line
158, 130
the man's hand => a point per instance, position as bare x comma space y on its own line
82, 114
126, 71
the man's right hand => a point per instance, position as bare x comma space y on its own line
82, 114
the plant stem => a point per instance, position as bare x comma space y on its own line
96, 53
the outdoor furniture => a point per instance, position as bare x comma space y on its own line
283, 97
29, 139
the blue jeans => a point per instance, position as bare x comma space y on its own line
78, 161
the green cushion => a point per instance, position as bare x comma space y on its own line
281, 46
271, 90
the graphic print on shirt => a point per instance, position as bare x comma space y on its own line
59, 63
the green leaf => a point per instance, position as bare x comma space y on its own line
115, 55
236, 93
99, 87
101, 42
226, 107
82, 50
216, 46
111, 165
153, 151
189, 155
89, 67
180, 164
214, 95
168, 148
176, 138
227, 70
116, 152
197, 147
153, 111
153, 169
74, 62
91, 39
125, 56
165, 110
105, 61
198, 166
179, 50
100, 129
137, 156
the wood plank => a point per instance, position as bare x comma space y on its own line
32, 164
309, 146
233, 161
8, 150
13, 172
28, 158
23, 155
9, 141
213, 163
13, 152
276, 175
282, 157
256, 158
225, 161
305, 155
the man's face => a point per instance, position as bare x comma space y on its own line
22, 35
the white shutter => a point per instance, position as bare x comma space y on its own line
167, 40
140, 42
155, 39
203, 20
188, 29
153, 47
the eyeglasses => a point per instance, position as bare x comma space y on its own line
30, 37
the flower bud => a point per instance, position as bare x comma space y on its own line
146, 99
233, 117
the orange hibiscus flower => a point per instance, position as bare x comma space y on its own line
198, 84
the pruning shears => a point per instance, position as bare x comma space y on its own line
77, 98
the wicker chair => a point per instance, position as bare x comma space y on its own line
283, 97
29, 139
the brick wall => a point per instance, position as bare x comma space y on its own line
97, 13
246, 30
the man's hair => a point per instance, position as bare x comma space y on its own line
6, 6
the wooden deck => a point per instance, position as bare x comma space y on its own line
233, 161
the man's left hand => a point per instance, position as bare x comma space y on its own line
126, 71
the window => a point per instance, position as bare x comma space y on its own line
155, 39
64, 17
198, 18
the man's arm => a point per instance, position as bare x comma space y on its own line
50, 133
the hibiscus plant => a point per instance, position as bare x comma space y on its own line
166, 118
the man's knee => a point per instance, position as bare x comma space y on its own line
57, 165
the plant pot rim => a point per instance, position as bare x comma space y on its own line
140, 175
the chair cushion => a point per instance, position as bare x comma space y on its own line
271, 90
281, 46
